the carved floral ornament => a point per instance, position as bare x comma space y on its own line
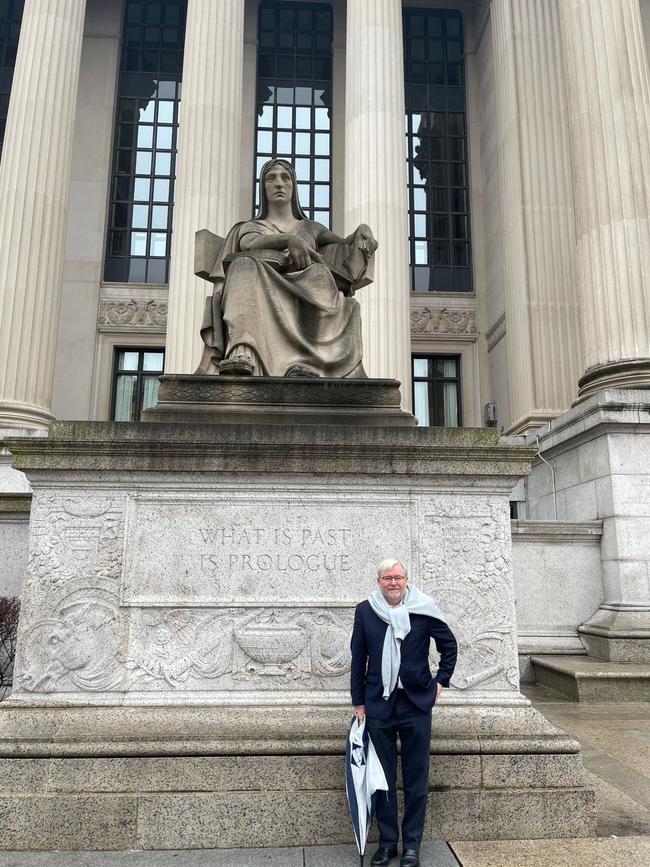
151, 314
445, 320
83, 639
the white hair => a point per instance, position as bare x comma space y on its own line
387, 564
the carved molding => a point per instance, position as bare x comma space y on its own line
496, 332
445, 320
132, 313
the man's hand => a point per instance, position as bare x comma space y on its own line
439, 690
360, 713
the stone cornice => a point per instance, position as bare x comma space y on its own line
253, 448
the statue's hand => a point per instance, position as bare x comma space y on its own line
365, 240
301, 255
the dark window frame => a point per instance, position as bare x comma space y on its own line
10, 23
294, 76
432, 380
140, 374
437, 162
145, 140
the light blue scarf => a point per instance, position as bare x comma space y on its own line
399, 626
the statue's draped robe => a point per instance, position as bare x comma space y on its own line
288, 317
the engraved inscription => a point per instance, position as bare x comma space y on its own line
237, 551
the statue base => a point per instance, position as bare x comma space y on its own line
183, 652
277, 400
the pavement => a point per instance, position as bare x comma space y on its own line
615, 739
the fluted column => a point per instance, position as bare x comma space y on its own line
375, 180
609, 110
208, 165
34, 186
542, 317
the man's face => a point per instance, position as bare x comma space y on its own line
278, 183
393, 584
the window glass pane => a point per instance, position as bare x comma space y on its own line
321, 170
149, 89
265, 141
140, 217
284, 143
284, 116
164, 137
153, 361
302, 168
163, 163
303, 118
150, 393
127, 360
303, 143
421, 403
143, 163
420, 367
125, 393
321, 144
145, 136
321, 197
141, 189
450, 396
159, 216
266, 117
161, 190
158, 245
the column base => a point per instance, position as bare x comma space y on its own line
20, 419
618, 633
630, 373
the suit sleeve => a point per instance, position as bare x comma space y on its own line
359, 650
447, 647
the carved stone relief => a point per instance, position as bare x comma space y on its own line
445, 320
79, 636
465, 565
151, 314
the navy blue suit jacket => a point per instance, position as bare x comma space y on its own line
421, 687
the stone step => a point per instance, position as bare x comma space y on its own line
116, 778
583, 678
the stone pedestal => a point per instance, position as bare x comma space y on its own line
599, 456
190, 592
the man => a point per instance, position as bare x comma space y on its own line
393, 689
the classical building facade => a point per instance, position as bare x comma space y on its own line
500, 149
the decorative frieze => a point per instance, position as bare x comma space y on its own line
132, 313
444, 320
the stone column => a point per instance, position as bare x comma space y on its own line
542, 317
208, 165
609, 110
34, 187
375, 180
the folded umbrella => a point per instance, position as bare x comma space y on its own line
364, 776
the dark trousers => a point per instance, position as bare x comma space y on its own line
414, 729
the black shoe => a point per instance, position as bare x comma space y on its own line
410, 858
383, 856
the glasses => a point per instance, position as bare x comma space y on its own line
387, 578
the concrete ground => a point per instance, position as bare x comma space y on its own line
615, 739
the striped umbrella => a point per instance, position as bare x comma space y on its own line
364, 776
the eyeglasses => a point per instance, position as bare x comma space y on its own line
387, 578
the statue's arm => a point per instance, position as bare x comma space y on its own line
362, 238
300, 253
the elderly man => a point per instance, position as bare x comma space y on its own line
393, 689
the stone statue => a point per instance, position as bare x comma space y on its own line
283, 300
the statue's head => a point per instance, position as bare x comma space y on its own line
298, 212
